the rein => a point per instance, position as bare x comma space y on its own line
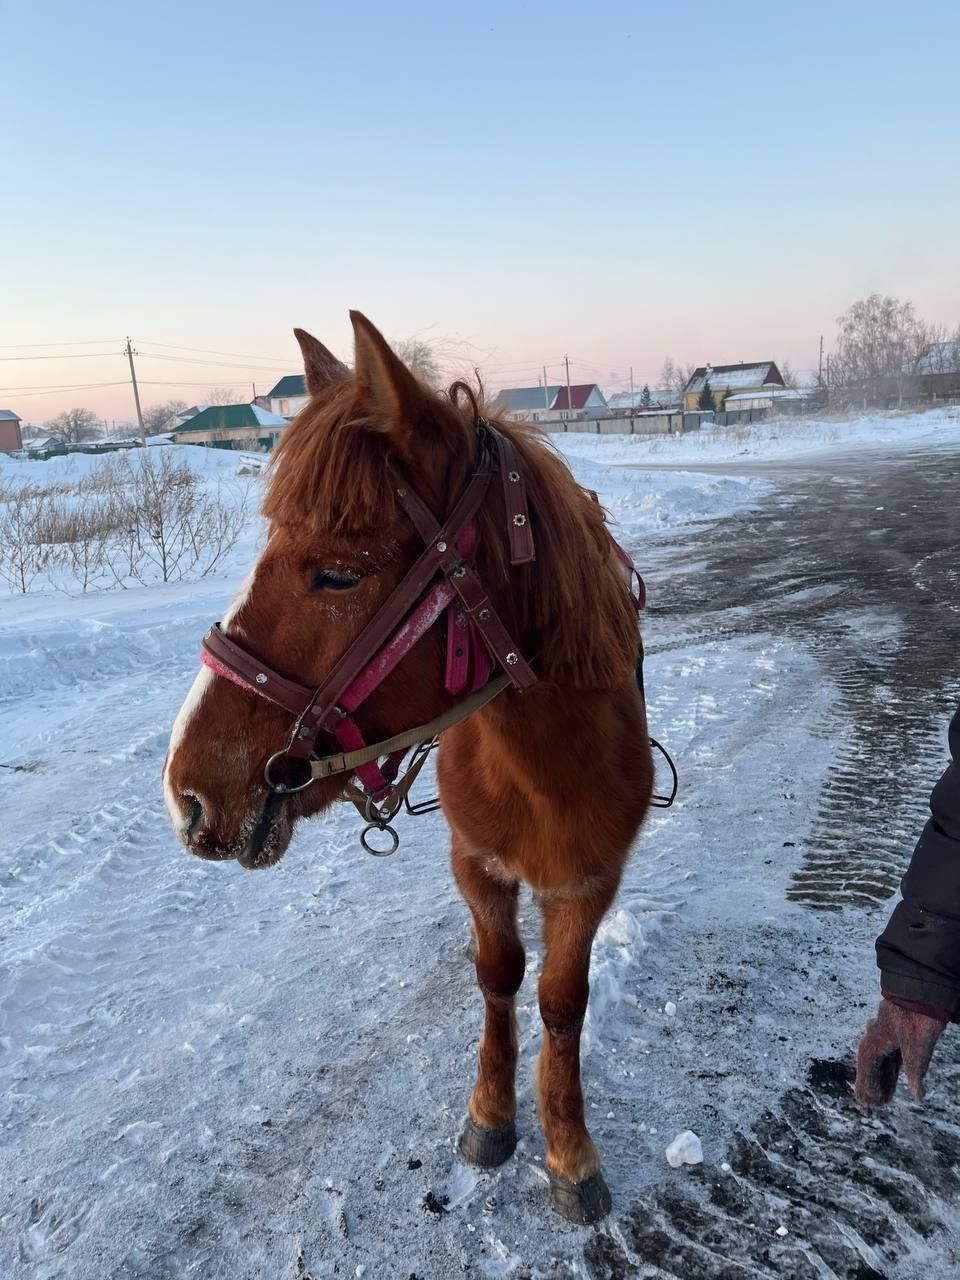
442, 581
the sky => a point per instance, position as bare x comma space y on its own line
610, 181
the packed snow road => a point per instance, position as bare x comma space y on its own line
212, 1074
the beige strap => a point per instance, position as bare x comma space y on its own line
348, 761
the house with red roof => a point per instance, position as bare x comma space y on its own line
551, 404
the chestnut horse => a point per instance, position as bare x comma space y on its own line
547, 783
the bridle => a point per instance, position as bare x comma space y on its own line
442, 580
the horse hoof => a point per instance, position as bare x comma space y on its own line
487, 1148
580, 1202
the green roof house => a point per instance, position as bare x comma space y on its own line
232, 426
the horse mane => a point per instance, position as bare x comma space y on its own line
329, 474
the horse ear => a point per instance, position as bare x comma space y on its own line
397, 395
320, 365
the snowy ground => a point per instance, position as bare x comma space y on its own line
209, 1074
786, 437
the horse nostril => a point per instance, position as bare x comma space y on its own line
194, 814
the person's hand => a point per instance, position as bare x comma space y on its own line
895, 1037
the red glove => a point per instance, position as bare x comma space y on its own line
895, 1037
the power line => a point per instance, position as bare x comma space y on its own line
49, 391
216, 364
76, 355
244, 355
86, 342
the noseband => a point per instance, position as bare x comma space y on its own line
476, 639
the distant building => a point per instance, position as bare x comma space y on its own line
550, 404
232, 426
937, 372
11, 441
178, 419
289, 396
44, 447
524, 404
730, 379
625, 404
776, 398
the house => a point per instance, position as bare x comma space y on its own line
729, 379
232, 426
178, 419
44, 447
936, 374
582, 401
787, 398
550, 404
524, 404
289, 396
626, 404
11, 441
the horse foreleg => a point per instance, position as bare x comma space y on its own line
490, 1136
577, 1188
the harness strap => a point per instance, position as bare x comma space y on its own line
522, 550
440, 552
349, 761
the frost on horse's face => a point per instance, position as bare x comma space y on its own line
337, 546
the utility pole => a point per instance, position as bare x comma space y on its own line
820, 369
632, 405
566, 361
254, 385
546, 393
136, 394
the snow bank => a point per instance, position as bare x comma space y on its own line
642, 502
73, 467
774, 438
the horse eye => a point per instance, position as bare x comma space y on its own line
333, 580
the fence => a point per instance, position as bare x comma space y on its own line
648, 424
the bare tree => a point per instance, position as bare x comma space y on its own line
156, 418
788, 374
676, 376
75, 425
878, 346
223, 395
420, 358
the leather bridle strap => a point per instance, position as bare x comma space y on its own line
349, 761
466, 583
440, 556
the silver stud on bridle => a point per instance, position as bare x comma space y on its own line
519, 520
261, 678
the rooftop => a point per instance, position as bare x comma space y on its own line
735, 376
291, 384
232, 417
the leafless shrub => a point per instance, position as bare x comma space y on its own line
23, 554
173, 527
134, 519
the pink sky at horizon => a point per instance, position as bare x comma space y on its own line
724, 197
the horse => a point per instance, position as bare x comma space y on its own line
415, 546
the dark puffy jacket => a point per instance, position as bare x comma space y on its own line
919, 951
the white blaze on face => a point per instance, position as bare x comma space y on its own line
191, 705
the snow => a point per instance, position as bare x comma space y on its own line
686, 1148
205, 1073
772, 439
70, 468
741, 377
